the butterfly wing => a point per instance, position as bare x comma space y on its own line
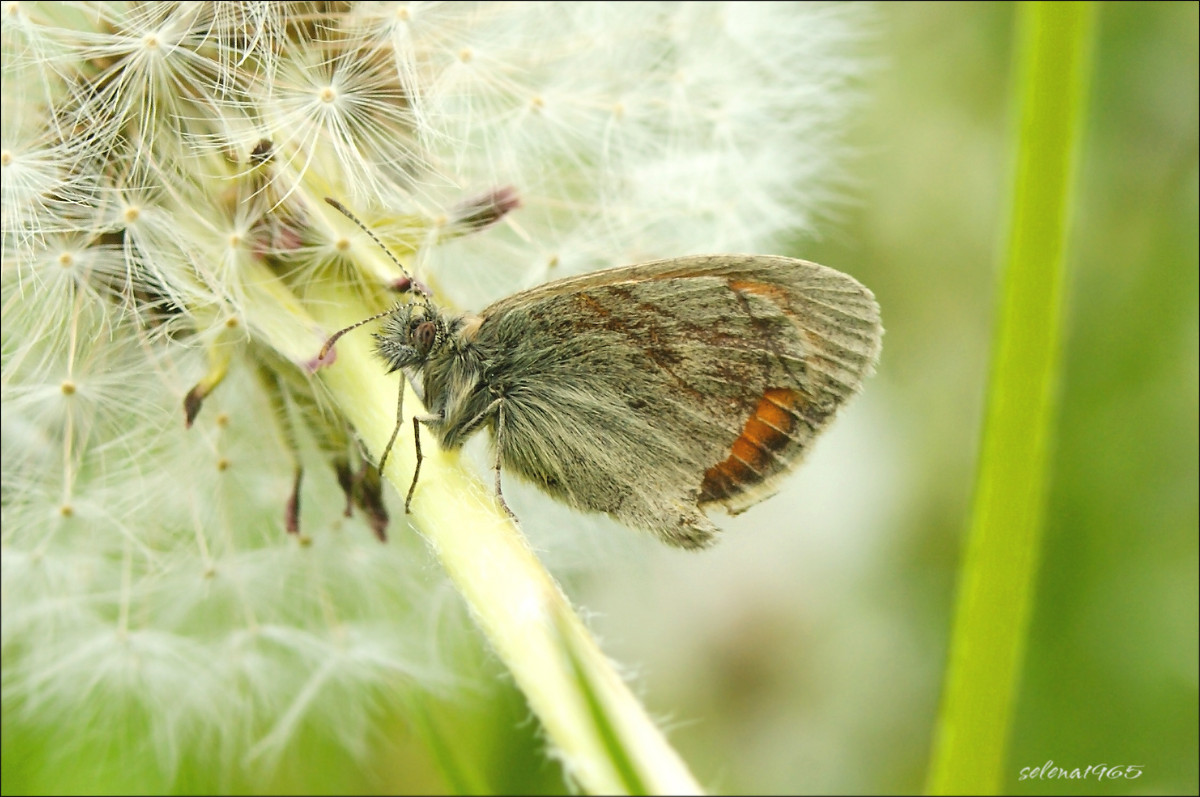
655, 391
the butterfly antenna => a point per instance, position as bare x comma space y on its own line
346, 212
334, 337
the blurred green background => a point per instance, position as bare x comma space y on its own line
805, 653
834, 686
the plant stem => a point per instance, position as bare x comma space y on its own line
607, 741
998, 574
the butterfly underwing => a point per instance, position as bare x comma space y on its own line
651, 392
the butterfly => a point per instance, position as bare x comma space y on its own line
653, 392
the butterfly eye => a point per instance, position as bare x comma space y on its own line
424, 335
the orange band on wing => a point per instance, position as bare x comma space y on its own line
766, 290
767, 430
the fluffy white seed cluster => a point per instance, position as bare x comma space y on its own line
164, 166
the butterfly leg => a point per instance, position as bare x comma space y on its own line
417, 421
417, 468
497, 406
499, 434
395, 431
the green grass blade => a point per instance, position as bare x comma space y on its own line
998, 576
460, 776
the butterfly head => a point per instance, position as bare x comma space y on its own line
411, 334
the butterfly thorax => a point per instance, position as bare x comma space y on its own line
456, 378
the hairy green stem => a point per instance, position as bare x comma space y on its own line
604, 736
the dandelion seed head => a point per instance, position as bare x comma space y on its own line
163, 171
